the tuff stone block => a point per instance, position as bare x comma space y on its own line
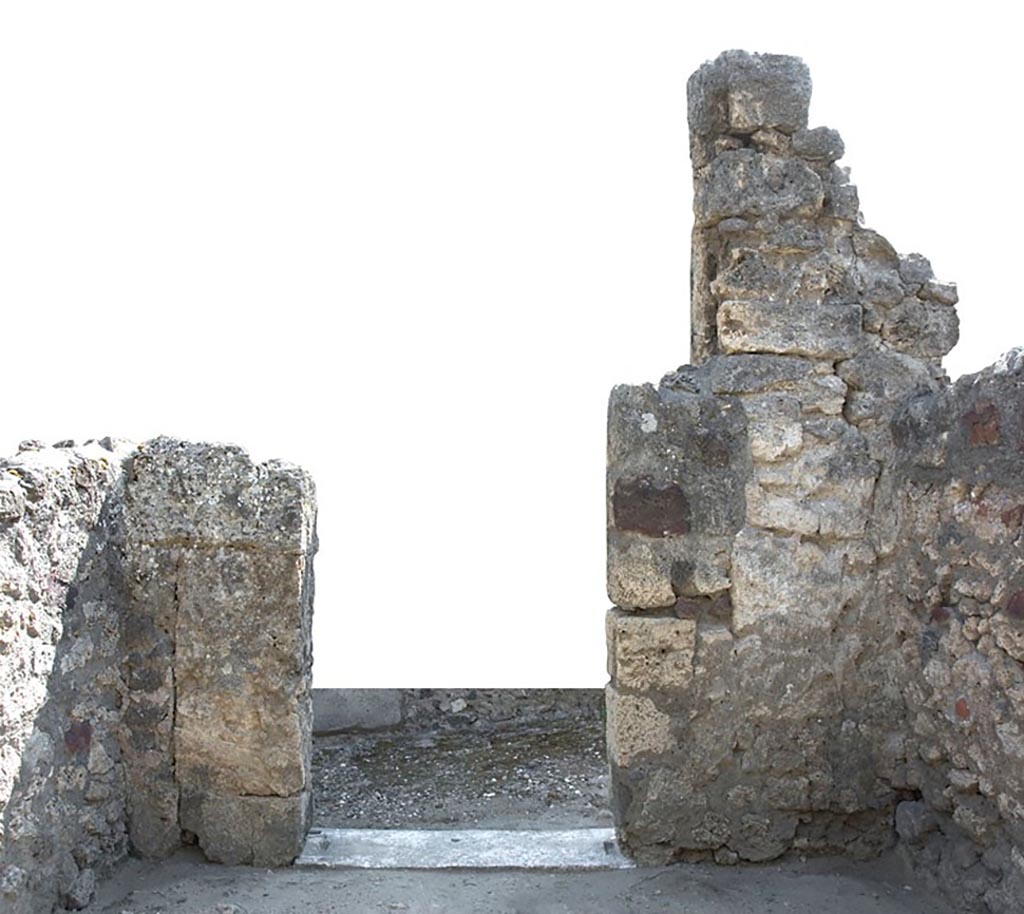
650, 652
261, 831
741, 93
636, 727
743, 183
778, 577
648, 573
817, 331
221, 555
241, 724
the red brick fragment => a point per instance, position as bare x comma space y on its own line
982, 422
78, 737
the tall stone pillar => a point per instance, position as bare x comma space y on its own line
219, 724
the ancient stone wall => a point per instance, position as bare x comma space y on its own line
155, 657
955, 591
62, 778
762, 506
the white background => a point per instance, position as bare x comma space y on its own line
413, 245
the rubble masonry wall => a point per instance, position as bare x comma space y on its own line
791, 616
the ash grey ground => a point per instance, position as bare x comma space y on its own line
465, 758
187, 885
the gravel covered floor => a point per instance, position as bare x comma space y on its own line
506, 777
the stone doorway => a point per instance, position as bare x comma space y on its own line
460, 758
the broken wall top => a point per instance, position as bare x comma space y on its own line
781, 261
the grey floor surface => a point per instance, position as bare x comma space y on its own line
186, 885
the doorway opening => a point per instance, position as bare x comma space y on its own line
460, 759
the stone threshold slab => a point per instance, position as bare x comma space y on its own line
474, 848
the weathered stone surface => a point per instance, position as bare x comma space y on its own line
257, 830
821, 143
648, 573
233, 542
635, 727
741, 93
62, 796
804, 329
196, 494
783, 576
737, 374
744, 183
644, 505
650, 652
154, 635
686, 448
148, 637
240, 672
921, 328
858, 678
669, 448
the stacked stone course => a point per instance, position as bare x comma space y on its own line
776, 544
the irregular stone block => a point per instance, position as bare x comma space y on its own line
676, 461
921, 329
12, 498
650, 652
888, 377
943, 293
182, 493
153, 798
782, 578
741, 93
915, 269
639, 574
748, 184
779, 512
635, 727
261, 831
749, 373
752, 275
342, 710
244, 713
820, 331
646, 573
820, 144
773, 426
